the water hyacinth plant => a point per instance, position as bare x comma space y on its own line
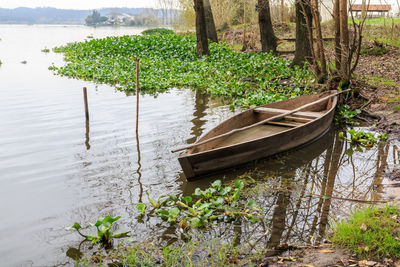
217, 203
157, 31
104, 234
360, 140
167, 61
346, 116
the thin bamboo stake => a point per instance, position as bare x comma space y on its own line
137, 95
261, 122
85, 100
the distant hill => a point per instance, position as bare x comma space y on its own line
48, 15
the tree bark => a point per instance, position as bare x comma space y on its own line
210, 24
344, 41
268, 38
303, 48
320, 45
336, 19
363, 9
201, 29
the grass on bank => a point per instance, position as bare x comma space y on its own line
167, 61
378, 21
372, 233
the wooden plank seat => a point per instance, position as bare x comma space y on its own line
303, 114
285, 123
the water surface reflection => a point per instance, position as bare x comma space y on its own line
301, 192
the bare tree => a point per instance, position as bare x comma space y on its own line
268, 38
168, 10
201, 29
336, 19
321, 72
210, 24
364, 9
344, 42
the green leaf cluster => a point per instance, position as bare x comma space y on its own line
167, 61
361, 139
346, 116
214, 204
104, 234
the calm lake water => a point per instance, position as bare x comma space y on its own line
56, 169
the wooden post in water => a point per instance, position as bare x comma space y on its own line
137, 95
86, 103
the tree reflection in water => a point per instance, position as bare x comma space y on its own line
303, 191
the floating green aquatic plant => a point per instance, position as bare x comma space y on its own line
104, 234
167, 61
361, 138
216, 203
157, 31
345, 115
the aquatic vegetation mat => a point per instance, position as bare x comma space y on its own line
167, 61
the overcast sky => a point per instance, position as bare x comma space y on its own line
77, 4
93, 4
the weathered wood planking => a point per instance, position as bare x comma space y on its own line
260, 141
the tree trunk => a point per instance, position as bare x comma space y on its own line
303, 48
344, 41
320, 45
282, 10
201, 29
210, 24
268, 38
363, 9
336, 19
244, 46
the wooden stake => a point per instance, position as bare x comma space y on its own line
137, 95
86, 103
261, 122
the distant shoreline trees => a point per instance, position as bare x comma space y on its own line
95, 18
145, 18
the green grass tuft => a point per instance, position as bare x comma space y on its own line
372, 232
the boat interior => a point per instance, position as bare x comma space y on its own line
258, 114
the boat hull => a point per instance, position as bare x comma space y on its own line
207, 162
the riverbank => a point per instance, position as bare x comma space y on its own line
369, 237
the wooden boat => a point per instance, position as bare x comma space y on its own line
260, 132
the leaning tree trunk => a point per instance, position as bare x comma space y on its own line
345, 44
336, 20
320, 54
268, 38
201, 29
303, 31
210, 24
282, 10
